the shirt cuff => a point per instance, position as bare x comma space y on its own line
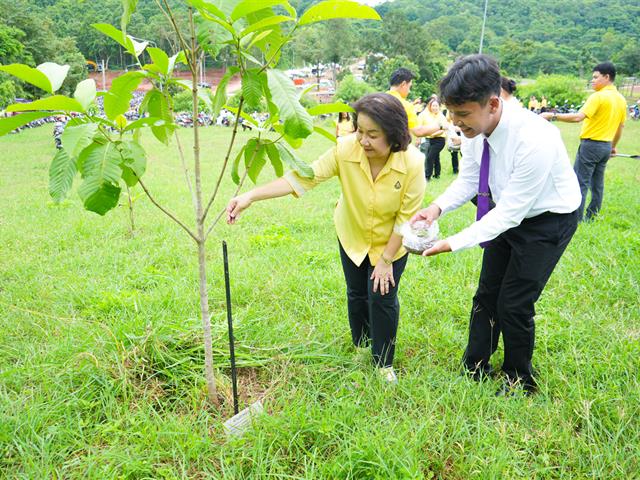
298, 189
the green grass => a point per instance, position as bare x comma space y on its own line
101, 357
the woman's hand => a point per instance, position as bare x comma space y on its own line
382, 277
236, 206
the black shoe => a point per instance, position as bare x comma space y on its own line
511, 388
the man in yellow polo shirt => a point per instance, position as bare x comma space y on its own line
399, 86
604, 115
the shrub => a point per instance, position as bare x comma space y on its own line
559, 90
350, 89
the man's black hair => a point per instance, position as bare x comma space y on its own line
606, 68
401, 75
474, 78
508, 85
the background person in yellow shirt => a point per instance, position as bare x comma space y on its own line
433, 118
383, 185
604, 114
345, 125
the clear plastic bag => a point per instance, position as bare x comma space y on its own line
419, 237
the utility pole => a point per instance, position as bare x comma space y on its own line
104, 76
484, 22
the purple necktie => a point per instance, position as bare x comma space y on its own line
483, 186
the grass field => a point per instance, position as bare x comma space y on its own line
101, 360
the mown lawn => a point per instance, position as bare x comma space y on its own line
101, 359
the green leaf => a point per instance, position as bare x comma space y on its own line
55, 73
129, 6
266, 23
30, 75
54, 103
220, 98
134, 47
134, 162
252, 87
244, 115
118, 98
294, 142
177, 58
250, 57
297, 121
76, 138
85, 92
61, 172
324, 108
9, 124
113, 33
234, 166
337, 9
121, 122
156, 104
254, 159
246, 7
160, 59
209, 7
145, 122
101, 171
294, 162
274, 158
325, 133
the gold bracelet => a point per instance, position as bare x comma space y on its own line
388, 262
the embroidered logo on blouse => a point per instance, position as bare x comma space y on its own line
398, 185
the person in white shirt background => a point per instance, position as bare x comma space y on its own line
520, 160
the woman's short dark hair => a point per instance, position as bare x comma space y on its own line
345, 115
508, 85
389, 114
474, 78
606, 68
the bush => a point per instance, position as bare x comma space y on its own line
350, 89
559, 90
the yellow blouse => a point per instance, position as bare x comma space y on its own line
368, 211
427, 118
345, 127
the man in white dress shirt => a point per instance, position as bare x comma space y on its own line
519, 160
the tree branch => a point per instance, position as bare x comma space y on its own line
167, 212
183, 44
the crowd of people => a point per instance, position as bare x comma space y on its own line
511, 163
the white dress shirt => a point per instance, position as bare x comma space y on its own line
529, 174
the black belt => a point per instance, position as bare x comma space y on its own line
597, 141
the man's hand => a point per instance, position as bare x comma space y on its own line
614, 151
547, 115
441, 246
429, 214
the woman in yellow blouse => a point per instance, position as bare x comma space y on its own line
434, 143
345, 125
383, 185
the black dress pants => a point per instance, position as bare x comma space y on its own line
373, 317
515, 269
432, 162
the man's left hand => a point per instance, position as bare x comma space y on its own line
441, 246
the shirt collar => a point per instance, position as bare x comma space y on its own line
395, 162
499, 135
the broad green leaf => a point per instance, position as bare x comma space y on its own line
118, 98
160, 59
246, 7
294, 162
85, 92
134, 47
112, 32
220, 98
250, 57
325, 133
222, 23
129, 6
252, 87
274, 158
145, 122
234, 166
329, 108
55, 73
244, 115
297, 121
296, 143
54, 103
259, 37
61, 172
76, 138
30, 75
177, 58
330, 9
208, 7
266, 23
121, 122
156, 104
101, 171
9, 124
254, 159
134, 162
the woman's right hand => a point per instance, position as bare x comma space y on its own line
236, 206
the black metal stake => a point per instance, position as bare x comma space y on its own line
232, 352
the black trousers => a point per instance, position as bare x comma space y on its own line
454, 160
432, 162
373, 317
515, 269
